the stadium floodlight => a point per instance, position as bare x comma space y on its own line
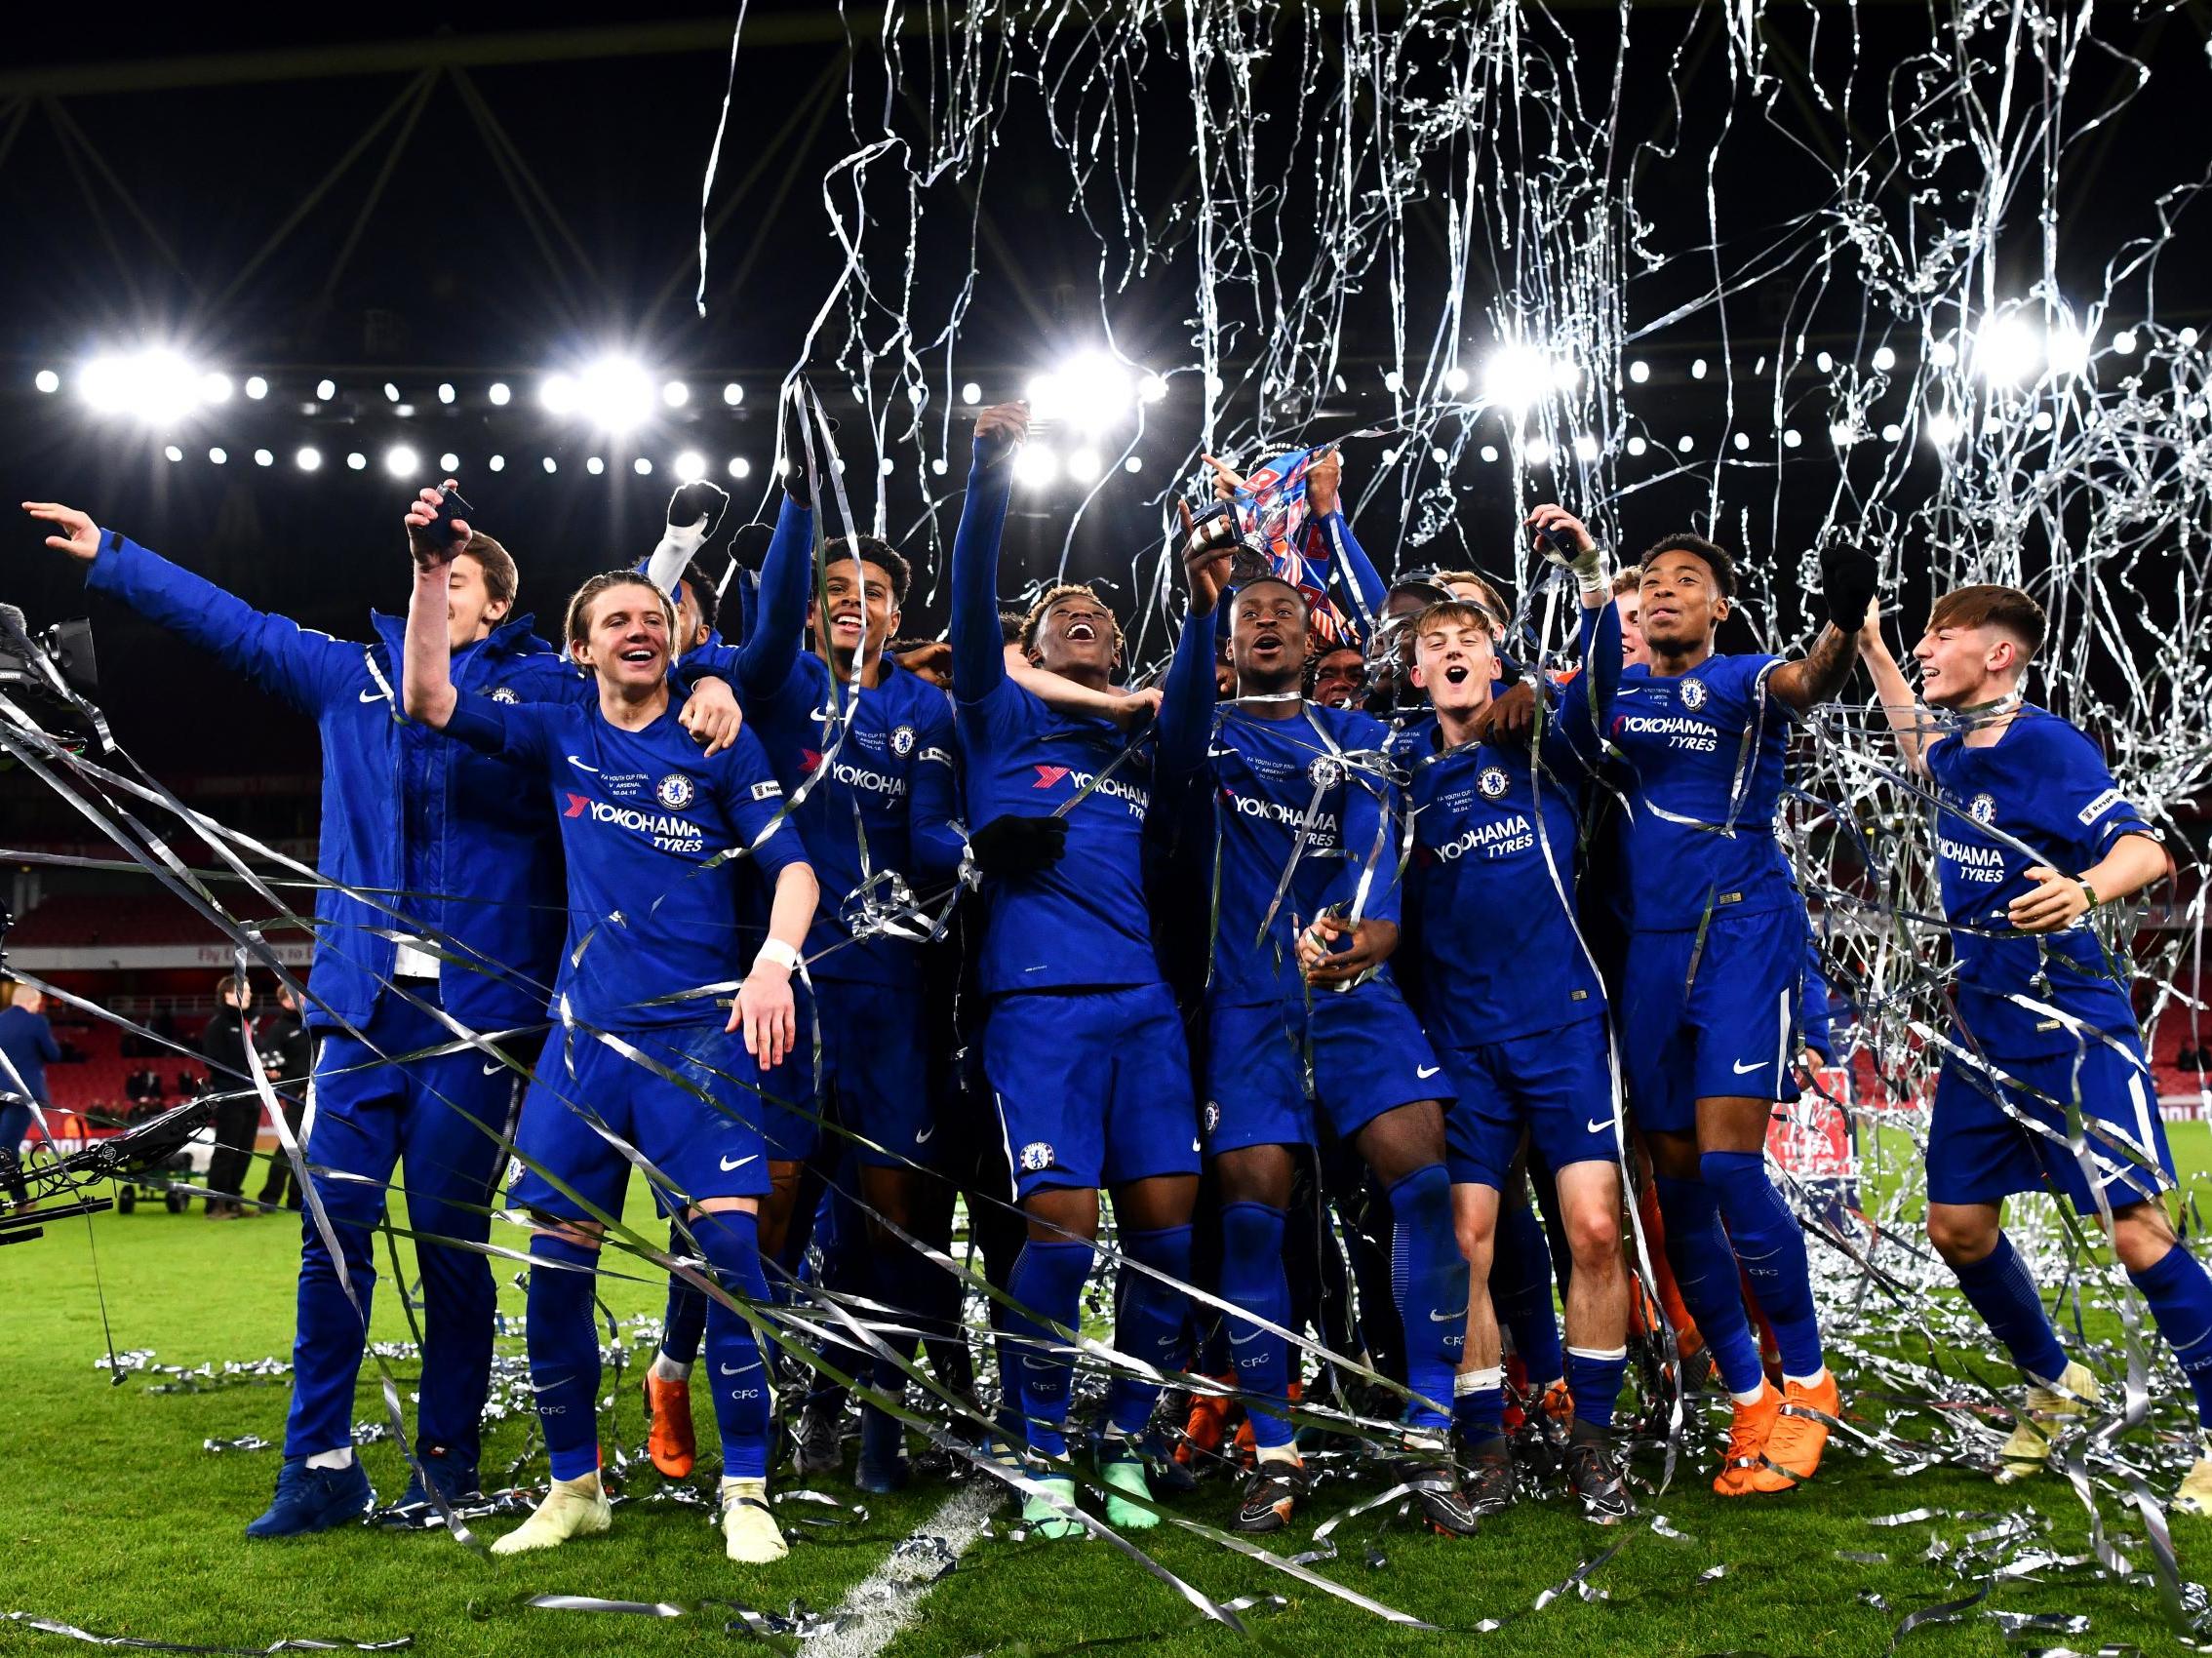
558, 394
500, 393
1083, 464
1885, 359
691, 464
1455, 379
1488, 451
642, 467
937, 466
1441, 455
215, 387
1151, 388
1036, 465
1640, 370
391, 392
1791, 437
732, 394
173, 452
1586, 448
1635, 446
594, 465
551, 465
401, 462
1742, 441
357, 462
1092, 393
1134, 464
1538, 452
497, 464
1941, 354
1684, 443
1942, 428
2066, 349
1517, 375
1697, 366
263, 457
257, 387
741, 467
308, 459
47, 380
2123, 342
972, 394
218, 456
614, 393
2006, 349
675, 394
156, 386
325, 390
448, 463
1842, 434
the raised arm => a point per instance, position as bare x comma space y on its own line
1126, 708
978, 652
693, 511
1849, 579
302, 667
1562, 540
1349, 566
1908, 721
426, 677
1187, 701
764, 660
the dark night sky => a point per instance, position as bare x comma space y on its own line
447, 275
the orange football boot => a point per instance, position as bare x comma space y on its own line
1747, 1441
1794, 1446
670, 1439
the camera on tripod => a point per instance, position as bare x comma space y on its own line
52, 675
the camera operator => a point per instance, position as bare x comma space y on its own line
224, 1045
26, 1048
287, 1055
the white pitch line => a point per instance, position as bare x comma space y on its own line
886, 1600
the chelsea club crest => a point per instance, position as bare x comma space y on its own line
674, 791
1693, 695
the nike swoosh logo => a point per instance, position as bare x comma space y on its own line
728, 1164
922, 1137
1236, 1340
1743, 1070
1459, 1317
581, 767
1425, 1071
734, 1369
373, 697
1598, 1124
494, 1070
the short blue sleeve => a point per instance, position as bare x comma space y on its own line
754, 800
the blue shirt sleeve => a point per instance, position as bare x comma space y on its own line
1585, 699
932, 803
764, 660
1351, 571
49, 1050
980, 662
2078, 802
754, 800
1187, 700
305, 668
512, 731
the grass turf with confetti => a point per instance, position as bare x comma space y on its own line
115, 1519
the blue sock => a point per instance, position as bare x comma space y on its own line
730, 1241
1705, 1270
1047, 1282
684, 1322
1428, 1285
1594, 1379
1771, 1246
1253, 1278
1998, 1287
1477, 1403
563, 1354
1520, 1290
1004, 1326
1150, 1321
2180, 1294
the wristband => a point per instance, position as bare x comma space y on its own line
1596, 576
781, 953
2089, 892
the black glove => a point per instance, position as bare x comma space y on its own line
1018, 846
795, 474
699, 504
1849, 578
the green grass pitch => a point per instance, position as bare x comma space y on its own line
114, 1517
